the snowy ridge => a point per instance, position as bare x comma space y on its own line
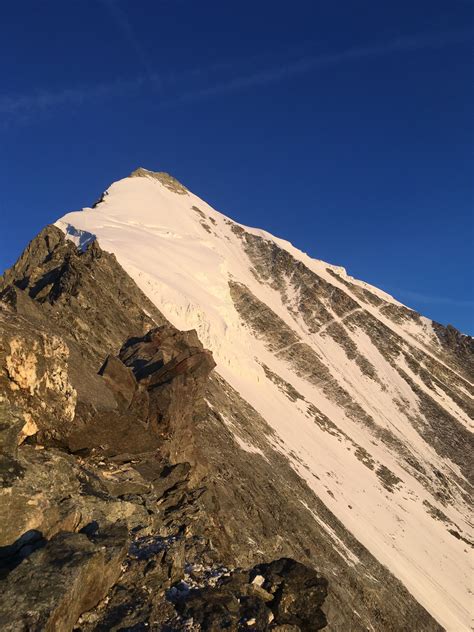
357, 429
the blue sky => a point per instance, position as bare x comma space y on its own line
345, 127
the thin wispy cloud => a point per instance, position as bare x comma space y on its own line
312, 62
25, 106
434, 300
125, 27
47, 99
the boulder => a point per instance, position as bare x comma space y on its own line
70, 574
299, 592
282, 595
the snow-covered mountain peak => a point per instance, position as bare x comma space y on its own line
370, 402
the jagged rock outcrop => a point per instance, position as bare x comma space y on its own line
89, 297
165, 178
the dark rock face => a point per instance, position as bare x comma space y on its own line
67, 576
134, 506
268, 597
460, 345
298, 593
87, 295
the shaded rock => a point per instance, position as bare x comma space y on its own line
120, 379
69, 575
299, 592
459, 344
40, 497
164, 353
114, 432
87, 294
11, 424
171, 368
48, 491
281, 593
213, 610
165, 479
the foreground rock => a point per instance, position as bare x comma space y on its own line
71, 573
282, 595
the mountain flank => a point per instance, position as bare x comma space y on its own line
132, 507
203, 429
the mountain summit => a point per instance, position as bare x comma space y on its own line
335, 428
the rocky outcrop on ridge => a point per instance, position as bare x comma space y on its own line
165, 178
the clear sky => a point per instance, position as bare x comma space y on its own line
343, 126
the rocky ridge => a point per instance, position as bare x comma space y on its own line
143, 485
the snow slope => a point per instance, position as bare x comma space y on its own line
182, 254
